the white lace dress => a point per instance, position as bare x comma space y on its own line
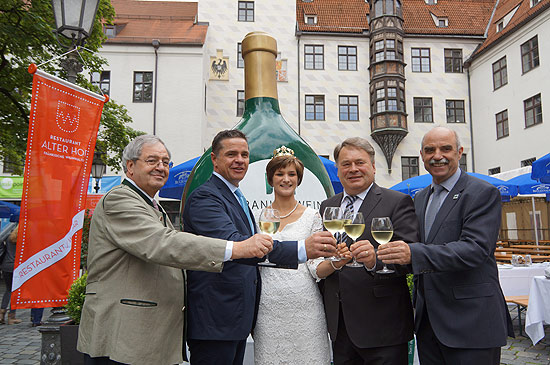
291, 326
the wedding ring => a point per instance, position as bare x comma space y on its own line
324, 247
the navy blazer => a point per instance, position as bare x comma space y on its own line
377, 308
223, 306
456, 275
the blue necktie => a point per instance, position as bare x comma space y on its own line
244, 205
433, 208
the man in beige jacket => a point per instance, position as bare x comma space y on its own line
134, 307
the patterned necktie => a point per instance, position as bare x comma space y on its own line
156, 205
433, 208
348, 210
244, 205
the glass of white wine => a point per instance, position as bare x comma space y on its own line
354, 225
269, 224
334, 223
382, 232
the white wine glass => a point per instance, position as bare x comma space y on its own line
354, 225
382, 232
334, 223
269, 224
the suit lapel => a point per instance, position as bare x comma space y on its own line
370, 202
232, 199
449, 203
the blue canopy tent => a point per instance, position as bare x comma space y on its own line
9, 210
177, 179
526, 185
541, 169
179, 174
413, 185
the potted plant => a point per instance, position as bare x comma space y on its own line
69, 330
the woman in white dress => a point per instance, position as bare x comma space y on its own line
291, 326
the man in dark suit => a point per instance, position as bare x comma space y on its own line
369, 315
223, 307
461, 315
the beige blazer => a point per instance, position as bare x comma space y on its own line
133, 312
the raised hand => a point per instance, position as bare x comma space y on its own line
320, 244
258, 246
363, 251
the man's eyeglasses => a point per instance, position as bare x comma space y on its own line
155, 162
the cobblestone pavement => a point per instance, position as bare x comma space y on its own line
21, 343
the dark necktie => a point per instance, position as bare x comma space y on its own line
244, 205
348, 210
433, 208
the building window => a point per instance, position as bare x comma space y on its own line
530, 54
500, 73
143, 87
453, 60
310, 19
420, 59
314, 56
442, 23
409, 167
347, 58
349, 107
240, 103
462, 163
109, 31
102, 80
502, 124
494, 170
246, 11
423, 112
533, 111
315, 107
240, 59
455, 111
528, 162
500, 26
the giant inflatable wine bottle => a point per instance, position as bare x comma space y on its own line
266, 130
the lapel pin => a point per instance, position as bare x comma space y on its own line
456, 196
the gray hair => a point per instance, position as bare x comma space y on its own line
133, 150
356, 142
458, 144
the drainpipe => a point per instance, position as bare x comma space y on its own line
298, 58
471, 121
156, 44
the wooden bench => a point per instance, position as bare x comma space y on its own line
522, 301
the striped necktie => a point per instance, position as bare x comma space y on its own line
349, 210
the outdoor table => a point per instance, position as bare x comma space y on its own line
538, 311
534, 258
516, 280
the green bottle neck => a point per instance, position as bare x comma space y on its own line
254, 105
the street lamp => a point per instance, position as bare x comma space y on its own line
98, 169
74, 20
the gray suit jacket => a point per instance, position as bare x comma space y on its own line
133, 312
456, 276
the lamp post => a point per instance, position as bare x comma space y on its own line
98, 169
74, 20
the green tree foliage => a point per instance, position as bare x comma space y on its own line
26, 37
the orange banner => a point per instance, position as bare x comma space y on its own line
63, 124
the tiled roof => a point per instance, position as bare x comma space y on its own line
466, 17
341, 16
169, 22
524, 13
